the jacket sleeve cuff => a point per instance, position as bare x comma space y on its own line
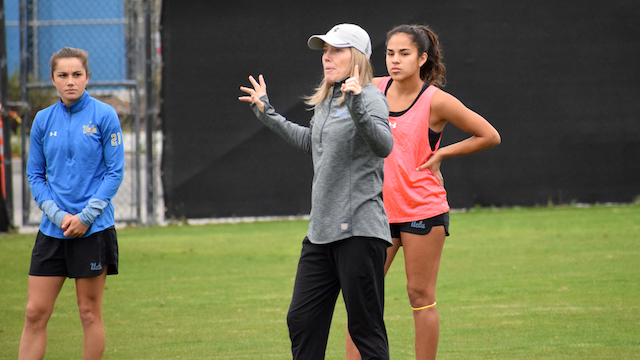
53, 212
90, 212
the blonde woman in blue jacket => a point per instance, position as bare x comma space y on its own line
345, 247
75, 166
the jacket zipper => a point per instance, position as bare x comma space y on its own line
68, 141
328, 114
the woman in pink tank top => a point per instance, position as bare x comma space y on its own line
413, 191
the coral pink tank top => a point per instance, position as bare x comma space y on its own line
408, 194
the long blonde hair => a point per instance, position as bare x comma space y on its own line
323, 89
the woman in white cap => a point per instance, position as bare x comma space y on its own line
414, 194
348, 235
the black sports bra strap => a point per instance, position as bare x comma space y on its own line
400, 113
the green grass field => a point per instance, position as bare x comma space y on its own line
521, 283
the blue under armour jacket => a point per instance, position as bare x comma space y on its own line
76, 164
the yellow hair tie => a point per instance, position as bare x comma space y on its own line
424, 307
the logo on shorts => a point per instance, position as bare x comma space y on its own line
344, 226
96, 266
418, 224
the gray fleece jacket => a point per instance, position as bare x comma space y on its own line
348, 144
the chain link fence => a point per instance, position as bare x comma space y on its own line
116, 34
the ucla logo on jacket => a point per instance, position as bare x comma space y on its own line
89, 130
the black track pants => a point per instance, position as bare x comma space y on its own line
355, 266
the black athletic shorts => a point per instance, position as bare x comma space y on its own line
420, 227
75, 258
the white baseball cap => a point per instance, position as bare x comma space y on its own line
343, 35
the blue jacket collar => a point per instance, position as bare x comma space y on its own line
78, 105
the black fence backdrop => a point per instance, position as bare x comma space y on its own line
558, 79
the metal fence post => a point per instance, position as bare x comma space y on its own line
149, 112
6, 124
